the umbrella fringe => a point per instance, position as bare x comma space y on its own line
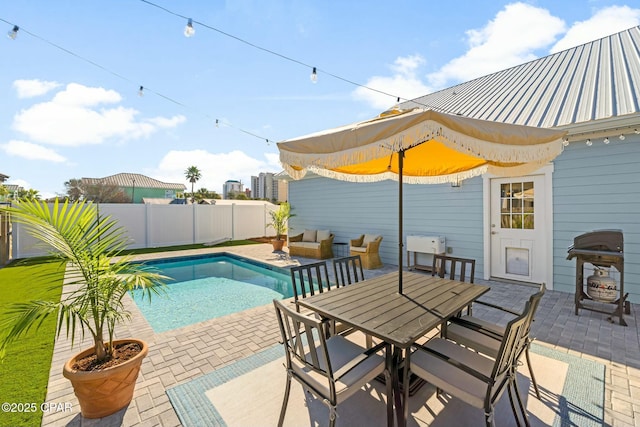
441, 179
416, 135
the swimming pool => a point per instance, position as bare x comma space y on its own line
206, 287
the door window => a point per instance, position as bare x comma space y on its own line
516, 205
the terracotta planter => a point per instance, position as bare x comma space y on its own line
105, 392
277, 245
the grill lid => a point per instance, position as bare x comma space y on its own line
599, 240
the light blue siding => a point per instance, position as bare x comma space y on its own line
350, 209
594, 188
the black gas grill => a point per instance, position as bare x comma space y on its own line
601, 248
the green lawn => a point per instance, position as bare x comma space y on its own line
24, 373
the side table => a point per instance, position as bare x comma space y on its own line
340, 249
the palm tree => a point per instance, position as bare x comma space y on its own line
77, 234
193, 174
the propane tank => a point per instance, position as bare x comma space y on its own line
601, 287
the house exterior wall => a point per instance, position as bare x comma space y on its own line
149, 193
596, 187
351, 209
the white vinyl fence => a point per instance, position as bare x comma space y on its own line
151, 226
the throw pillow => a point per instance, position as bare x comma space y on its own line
368, 238
309, 236
323, 235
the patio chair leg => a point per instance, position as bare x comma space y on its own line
533, 377
512, 403
285, 401
387, 378
520, 404
488, 419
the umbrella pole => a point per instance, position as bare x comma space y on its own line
400, 202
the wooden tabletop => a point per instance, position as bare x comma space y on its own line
375, 307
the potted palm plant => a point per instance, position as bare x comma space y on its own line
279, 222
96, 279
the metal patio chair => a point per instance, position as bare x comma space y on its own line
348, 270
485, 337
334, 368
470, 376
462, 269
310, 279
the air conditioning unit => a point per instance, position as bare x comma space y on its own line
426, 244
423, 248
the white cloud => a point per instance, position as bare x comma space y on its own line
33, 88
403, 83
164, 122
216, 168
30, 151
603, 23
509, 39
83, 96
76, 116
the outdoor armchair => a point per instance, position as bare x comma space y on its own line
368, 247
332, 369
485, 337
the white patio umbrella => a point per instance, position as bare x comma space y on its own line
420, 147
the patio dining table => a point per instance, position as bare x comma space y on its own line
375, 307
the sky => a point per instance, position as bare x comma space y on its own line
221, 99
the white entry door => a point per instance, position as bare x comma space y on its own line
518, 234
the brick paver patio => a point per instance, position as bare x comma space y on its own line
183, 354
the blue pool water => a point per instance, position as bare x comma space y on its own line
207, 287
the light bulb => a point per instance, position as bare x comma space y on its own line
314, 75
189, 31
141, 91
565, 142
621, 137
636, 131
13, 33
606, 140
589, 143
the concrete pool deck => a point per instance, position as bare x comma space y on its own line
183, 354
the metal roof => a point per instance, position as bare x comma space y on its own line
595, 81
127, 180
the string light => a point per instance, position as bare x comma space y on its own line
636, 131
122, 77
314, 76
288, 58
606, 140
621, 137
189, 31
565, 142
141, 91
589, 143
13, 33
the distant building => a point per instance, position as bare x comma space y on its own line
266, 186
139, 187
231, 186
12, 189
